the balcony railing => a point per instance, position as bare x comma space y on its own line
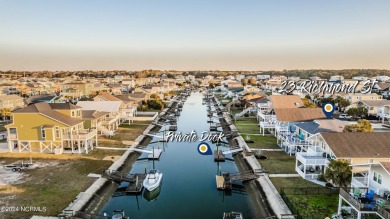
359, 181
312, 158
281, 128
265, 116
110, 120
267, 125
80, 135
361, 207
308, 176
350, 199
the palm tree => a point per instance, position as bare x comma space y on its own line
338, 172
361, 126
5, 112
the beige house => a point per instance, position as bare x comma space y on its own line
373, 106
11, 102
354, 147
354, 98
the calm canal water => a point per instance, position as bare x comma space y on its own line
189, 188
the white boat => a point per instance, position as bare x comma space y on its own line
153, 180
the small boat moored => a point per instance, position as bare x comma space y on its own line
119, 214
153, 180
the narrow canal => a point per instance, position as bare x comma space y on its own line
189, 188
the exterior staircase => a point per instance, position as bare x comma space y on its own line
237, 115
234, 101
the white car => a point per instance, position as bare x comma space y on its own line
345, 116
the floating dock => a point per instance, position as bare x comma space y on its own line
219, 156
156, 153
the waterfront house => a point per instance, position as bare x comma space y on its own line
354, 147
127, 108
111, 121
266, 114
50, 128
369, 193
285, 128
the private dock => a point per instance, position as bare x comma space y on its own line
225, 181
136, 186
219, 156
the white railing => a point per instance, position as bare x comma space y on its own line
281, 128
307, 159
244, 111
267, 125
265, 116
80, 135
309, 176
112, 119
359, 181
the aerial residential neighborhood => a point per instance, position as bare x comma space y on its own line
295, 144
173, 109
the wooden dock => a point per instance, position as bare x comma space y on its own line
219, 156
225, 181
156, 153
136, 186
120, 176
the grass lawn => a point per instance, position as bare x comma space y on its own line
125, 132
248, 126
264, 142
308, 206
278, 162
53, 186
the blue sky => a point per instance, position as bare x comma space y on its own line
190, 35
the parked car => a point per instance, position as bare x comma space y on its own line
345, 116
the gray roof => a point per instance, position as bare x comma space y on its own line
323, 125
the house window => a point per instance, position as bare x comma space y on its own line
43, 133
378, 178
57, 132
78, 113
72, 113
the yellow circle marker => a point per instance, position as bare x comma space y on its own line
203, 148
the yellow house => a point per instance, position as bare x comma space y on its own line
50, 128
